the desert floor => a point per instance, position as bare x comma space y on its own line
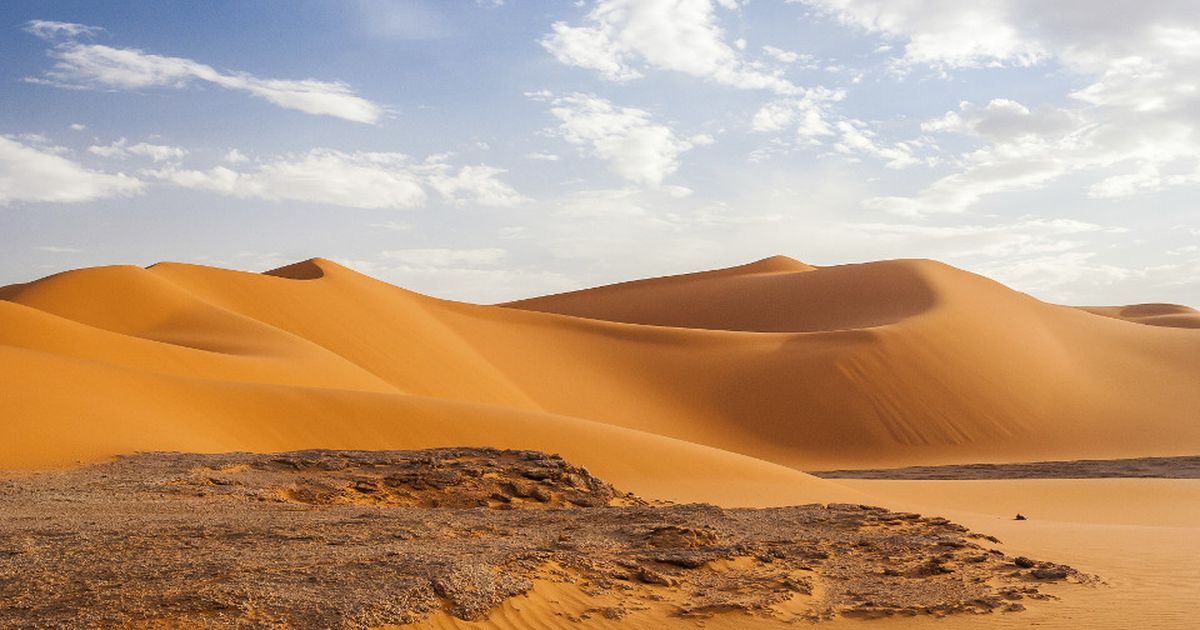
720, 386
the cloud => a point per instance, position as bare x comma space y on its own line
810, 113
42, 174
808, 62
1004, 120
954, 34
1064, 275
353, 180
1028, 149
621, 39
81, 65
50, 30
858, 138
814, 122
58, 249
635, 147
476, 184
120, 149
1027, 236
441, 257
1134, 123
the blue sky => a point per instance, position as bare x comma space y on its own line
486, 150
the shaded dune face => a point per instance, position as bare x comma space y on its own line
714, 386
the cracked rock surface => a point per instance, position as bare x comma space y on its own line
357, 539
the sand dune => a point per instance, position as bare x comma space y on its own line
1172, 315
716, 385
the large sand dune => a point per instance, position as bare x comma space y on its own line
718, 386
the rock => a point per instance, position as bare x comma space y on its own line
649, 576
1051, 572
473, 589
357, 539
682, 537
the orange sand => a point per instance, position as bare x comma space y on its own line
772, 365
718, 386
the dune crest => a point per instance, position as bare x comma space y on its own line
715, 386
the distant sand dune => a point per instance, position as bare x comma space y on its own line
714, 386
1172, 315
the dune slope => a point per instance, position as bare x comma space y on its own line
712, 386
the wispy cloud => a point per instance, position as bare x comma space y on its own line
121, 149
50, 30
357, 179
813, 122
86, 65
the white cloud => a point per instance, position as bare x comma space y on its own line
78, 127
857, 138
810, 113
1029, 148
635, 147
97, 66
121, 149
1003, 120
233, 156
353, 180
621, 39
814, 122
1135, 123
49, 29
30, 173
543, 157
943, 32
802, 60
58, 249
473, 184
1028, 236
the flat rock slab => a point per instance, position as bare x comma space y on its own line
357, 539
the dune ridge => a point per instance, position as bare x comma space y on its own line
717, 386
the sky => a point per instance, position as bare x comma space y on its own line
487, 150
